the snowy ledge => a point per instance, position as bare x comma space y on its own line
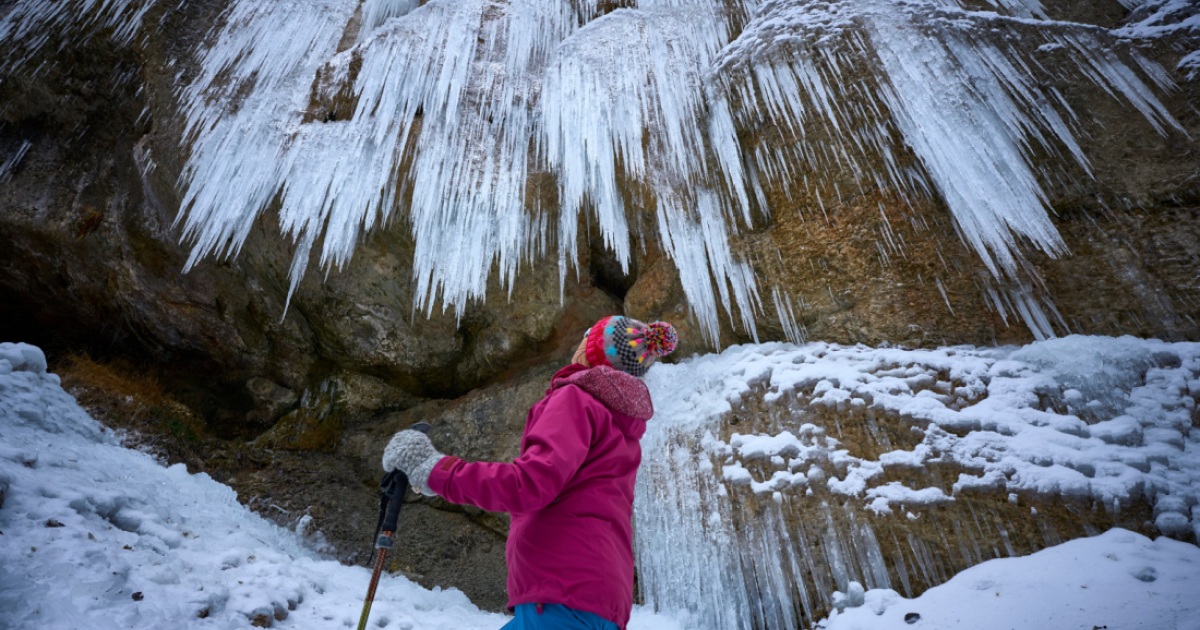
1100, 419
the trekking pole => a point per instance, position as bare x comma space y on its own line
391, 497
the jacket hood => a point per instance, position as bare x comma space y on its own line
622, 393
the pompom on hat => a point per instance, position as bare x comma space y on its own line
629, 345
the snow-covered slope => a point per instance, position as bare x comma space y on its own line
99, 536
95, 536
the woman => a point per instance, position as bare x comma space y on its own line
570, 492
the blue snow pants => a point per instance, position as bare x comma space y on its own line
556, 617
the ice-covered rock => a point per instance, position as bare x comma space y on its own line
1023, 448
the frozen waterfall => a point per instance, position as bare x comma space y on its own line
351, 114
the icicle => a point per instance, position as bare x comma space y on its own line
376, 12
452, 103
13, 162
30, 23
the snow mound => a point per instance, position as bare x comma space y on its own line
1118, 579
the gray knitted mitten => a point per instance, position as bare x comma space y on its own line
412, 452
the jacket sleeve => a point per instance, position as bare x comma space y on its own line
556, 445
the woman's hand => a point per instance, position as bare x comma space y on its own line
412, 453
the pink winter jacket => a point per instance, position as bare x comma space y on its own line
570, 493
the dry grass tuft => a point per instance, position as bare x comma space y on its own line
124, 397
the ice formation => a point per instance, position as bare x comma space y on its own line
747, 528
446, 117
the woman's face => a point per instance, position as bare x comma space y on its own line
581, 354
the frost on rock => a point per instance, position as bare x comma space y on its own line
755, 435
491, 128
1161, 18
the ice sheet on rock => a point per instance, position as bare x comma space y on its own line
1117, 579
376, 12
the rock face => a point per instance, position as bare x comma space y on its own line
91, 154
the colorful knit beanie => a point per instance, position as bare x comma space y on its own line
627, 344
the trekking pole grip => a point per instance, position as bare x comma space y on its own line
395, 486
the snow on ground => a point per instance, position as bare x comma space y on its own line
95, 535
1118, 579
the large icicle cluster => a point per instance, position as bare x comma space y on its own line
737, 525
451, 114
448, 86
964, 100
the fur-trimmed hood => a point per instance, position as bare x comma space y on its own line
620, 392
